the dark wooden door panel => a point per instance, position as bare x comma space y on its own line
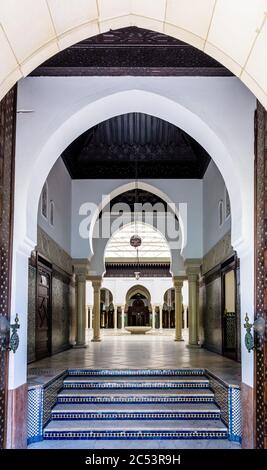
7, 160
261, 272
43, 313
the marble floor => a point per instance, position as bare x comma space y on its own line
144, 351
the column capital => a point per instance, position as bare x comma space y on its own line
192, 266
80, 267
96, 281
192, 277
178, 281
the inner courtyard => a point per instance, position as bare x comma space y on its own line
133, 226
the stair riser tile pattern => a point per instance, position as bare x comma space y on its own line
134, 416
136, 373
137, 386
133, 399
137, 435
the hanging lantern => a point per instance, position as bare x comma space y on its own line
135, 241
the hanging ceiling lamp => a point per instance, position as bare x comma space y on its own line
136, 240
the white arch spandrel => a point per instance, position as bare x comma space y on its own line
106, 108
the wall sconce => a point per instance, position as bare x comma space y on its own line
258, 327
9, 338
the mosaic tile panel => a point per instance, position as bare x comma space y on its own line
134, 386
137, 415
35, 415
41, 399
137, 435
234, 404
228, 398
135, 372
136, 399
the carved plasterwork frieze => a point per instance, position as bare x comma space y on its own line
219, 253
47, 247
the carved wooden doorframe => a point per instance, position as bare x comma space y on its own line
7, 164
261, 274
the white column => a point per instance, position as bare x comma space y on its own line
96, 283
160, 317
86, 317
122, 317
81, 310
91, 317
115, 317
178, 284
153, 317
192, 270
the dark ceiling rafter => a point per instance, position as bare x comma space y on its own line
113, 149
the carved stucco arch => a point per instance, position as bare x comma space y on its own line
109, 106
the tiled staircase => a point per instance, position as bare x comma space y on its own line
136, 404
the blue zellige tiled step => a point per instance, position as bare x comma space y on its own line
136, 404
136, 411
140, 383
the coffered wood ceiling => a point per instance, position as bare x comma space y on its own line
131, 51
135, 145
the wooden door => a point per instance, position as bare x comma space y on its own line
43, 313
229, 314
7, 160
261, 273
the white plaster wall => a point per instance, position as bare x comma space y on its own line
157, 286
213, 193
59, 191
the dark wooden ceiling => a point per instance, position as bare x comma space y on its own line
135, 145
131, 51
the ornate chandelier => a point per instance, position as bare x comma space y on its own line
135, 240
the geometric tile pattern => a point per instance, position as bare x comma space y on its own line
41, 399
136, 399
132, 415
35, 414
228, 398
136, 385
135, 372
137, 435
234, 404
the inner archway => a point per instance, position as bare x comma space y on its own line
138, 306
